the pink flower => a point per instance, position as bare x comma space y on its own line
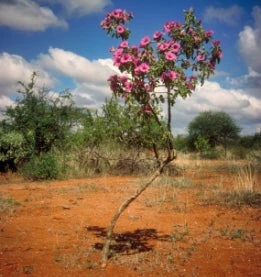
126, 58
169, 75
118, 51
172, 75
147, 109
209, 33
148, 88
163, 46
117, 61
124, 44
123, 79
157, 35
144, 67
170, 56
117, 13
175, 47
113, 78
145, 41
128, 86
168, 26
200, 57
220, 54
216, 42
120, 29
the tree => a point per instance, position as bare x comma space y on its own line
251, 141
217, 128
12, 150
178, 58
42, 119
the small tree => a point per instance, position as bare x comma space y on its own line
217, 128
177, 58
41, 118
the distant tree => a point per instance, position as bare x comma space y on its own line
251, 141
181, 143
217, 128
42, 119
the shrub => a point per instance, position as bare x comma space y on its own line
44, 167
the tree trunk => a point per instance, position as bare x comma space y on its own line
123, 207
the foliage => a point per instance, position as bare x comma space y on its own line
43, 167
120, 124
12, 150
181, 143
41, 118
251, 141
202, 144
217, 128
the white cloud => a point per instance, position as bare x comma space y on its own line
81, 7
16, 68
245, 109
230, 16
250, 42
79, 68
90, 95
28, 15
90, 77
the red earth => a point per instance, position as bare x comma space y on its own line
179, 226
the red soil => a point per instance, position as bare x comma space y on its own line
59, 227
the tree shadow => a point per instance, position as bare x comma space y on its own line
128, 243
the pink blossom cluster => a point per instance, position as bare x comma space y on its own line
166, 57
124, 85
114, 23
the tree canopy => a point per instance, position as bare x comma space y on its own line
43, 119
215, 127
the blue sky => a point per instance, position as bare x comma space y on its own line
63, 41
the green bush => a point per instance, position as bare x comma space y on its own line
44, 167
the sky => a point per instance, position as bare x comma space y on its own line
62, 40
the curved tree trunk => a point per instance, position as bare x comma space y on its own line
125, 204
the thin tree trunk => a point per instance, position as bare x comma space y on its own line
123, 207
161, 165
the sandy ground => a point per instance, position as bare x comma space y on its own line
174, 228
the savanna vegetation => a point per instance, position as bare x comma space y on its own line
46, 136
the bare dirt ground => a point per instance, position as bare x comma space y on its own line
178, 227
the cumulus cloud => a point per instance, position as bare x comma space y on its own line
245, 109
81, 7
250, 41
230, 16
90, 77
28, 15
16, 68
90, 95
79, 68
